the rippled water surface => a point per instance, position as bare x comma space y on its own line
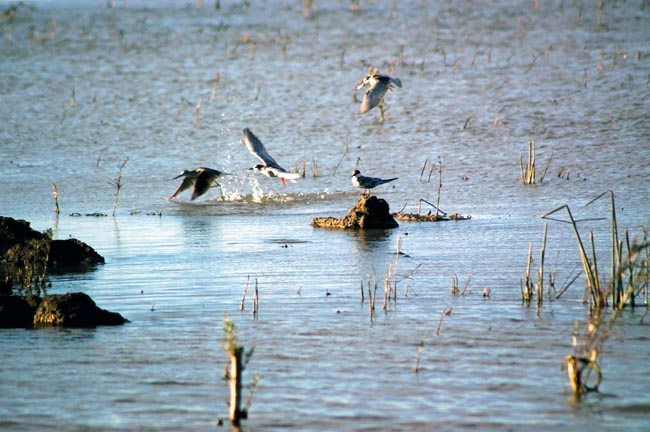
170, 85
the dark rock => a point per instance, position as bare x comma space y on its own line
5, 284
17, 311
72, 254
73, 310
368, 213
13, 231
20, 244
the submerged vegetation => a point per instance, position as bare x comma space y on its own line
605, 298
439, 214
118, 183
528, 173
28, 270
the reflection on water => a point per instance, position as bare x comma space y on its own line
170, 87
369, 240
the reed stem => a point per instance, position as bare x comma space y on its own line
118, 185
241, 305
55, 194
255, 301
540, 274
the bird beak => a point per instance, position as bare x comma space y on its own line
178, 176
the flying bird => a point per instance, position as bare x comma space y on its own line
269, 166
368, 183
201, 178
378, 87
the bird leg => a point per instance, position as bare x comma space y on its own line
381, 110
223, 198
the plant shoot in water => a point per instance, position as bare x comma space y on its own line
117, 183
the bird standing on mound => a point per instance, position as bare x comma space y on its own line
368, 183
378, 87
202, 178
269, 167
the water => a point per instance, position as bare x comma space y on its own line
96, 85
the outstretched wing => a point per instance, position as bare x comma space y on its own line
374, 95
187, 183
395, 81
204, 181
257, 149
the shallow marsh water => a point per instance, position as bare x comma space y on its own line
85, 86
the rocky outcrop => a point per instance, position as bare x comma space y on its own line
19, 244
66, 310
13, 231
72, 255
17, 311
368, 213
26, 258
61, 255
73, 310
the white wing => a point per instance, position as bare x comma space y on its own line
374, 95
257, 149
288, 175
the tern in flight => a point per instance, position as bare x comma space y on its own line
201, 178
269, 166
378, 87
368, 183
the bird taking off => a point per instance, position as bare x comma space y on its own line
201, 178
368, 183
269, 166
378, 86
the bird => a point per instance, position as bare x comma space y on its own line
202, 178
269, 166
368, 183
378, 87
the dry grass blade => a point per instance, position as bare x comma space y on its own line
597, 298
241, 305
416, 368
445, 312
528, 173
